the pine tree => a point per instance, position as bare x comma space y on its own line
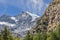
6, 34
27, 36
35, 37
16, 38
52, 36
39, 36
31, 36
58, 32
44, 36
1, 37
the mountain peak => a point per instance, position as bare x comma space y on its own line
5, 15
13, 18
19, 24
34, 15
26, 14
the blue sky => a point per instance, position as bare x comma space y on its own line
14, 7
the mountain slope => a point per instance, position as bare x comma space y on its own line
18, 24
50, 20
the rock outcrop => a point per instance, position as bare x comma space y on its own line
50, 20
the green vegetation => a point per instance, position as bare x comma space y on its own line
53, 35
6, 35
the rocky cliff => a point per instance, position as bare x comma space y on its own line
50, 20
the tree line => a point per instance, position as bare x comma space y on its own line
7, 35
53, 35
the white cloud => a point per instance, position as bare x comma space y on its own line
34, 1
36, 5
33, 6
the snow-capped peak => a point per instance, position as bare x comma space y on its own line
6, 23
19, 24
34, 16
13, 18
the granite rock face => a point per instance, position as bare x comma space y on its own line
50, 19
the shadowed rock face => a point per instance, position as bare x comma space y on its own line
51, 18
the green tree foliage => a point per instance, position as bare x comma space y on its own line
1, 37
31, 36
58, 32
16, 38
35, 37
44, 35
38, 36
27, 36
6, 34
52, 36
